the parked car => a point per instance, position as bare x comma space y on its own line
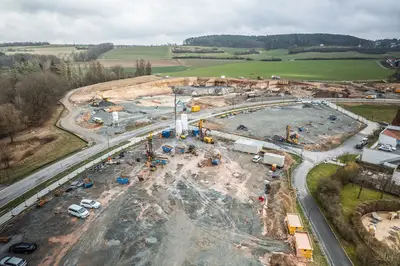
385, 148
390, 147
361, 145
256, 158
12, 261
23, 247
90, 204
78, 211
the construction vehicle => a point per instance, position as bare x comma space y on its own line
98, 98
149, 148
192, 149
203, 136
291, 138
98, 120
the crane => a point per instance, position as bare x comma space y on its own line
203, 136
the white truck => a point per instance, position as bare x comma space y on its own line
271, 158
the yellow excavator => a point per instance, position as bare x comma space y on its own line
203, 136
97, 98
291, 138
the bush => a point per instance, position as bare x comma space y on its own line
347, 173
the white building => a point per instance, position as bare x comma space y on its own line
391, 136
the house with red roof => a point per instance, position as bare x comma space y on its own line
390, 136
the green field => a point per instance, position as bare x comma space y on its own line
138, 52
375, 113
300, 70
156, 70
284, 54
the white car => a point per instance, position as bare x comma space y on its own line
78, 211
385, 148
12, 261
256, 158
90, 204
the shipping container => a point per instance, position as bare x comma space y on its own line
248, 146
271, 158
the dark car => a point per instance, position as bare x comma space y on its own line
23, 247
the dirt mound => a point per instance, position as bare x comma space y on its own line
209, 101
281, 259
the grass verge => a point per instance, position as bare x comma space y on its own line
12, 204
322, 170
64, 145
373, 112
347, 158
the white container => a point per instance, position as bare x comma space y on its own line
271, 158
115, 117
184, 119
249, 146
178, 127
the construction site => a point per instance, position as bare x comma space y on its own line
186, 195
116, 107
168, 202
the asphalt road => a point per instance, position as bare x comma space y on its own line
331, 246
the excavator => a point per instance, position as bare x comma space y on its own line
203, 136
97, 98
291, 138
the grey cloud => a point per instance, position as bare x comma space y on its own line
160, 21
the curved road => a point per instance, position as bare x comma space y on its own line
332, 248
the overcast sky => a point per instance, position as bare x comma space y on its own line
171, 21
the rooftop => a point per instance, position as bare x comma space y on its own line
392, 133
294, 220
302, 240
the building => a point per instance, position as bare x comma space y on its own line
303, 245
390, 136
293, 223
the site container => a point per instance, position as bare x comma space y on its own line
195, 108
271, 158
248, 146
303, 245
293, 223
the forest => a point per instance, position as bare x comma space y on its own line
288, 41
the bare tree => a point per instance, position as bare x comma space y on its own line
11, 120
5, 159
148, 68
118, 71
40, 92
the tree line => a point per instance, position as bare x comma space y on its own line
93, 52
30, 90
284, 41
372, 50
5, 44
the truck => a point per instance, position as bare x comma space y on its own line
371, 96
271, 158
